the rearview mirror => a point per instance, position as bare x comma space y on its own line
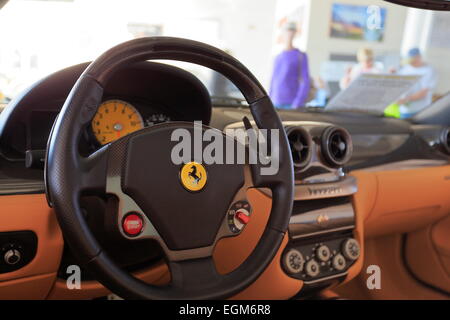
443, 5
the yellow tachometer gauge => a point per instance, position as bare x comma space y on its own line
115, 119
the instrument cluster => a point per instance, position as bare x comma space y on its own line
116, 118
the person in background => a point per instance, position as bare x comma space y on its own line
291, 84
421, 95
321, 95
366, 64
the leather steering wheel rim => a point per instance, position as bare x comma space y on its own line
68, 174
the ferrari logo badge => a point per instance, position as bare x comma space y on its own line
193, 176
322, 219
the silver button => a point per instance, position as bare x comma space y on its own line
312, 268
351, 249
323, 253
12, 256
339, 262
294, 261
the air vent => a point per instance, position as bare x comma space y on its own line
336, 146
301, 143
445, 140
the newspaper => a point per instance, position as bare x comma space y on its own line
372, 93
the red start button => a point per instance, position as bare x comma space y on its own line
132, 224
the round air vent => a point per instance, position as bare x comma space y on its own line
445, 140
301, 143
336, 146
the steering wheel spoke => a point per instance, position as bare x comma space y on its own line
132, 222
193, 273
92, 173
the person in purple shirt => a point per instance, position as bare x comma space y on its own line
290, 85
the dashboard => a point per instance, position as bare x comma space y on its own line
116, 117
140, 96
324, 242
151, 93
377, 141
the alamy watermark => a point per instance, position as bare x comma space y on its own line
73, 281
374, 279
241, 146
374, 17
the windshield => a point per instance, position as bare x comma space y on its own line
358, 56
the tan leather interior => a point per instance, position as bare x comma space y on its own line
428, 254
441, 239
231, 252
396, 281
27, 288
413, 202
30, 212
35, 215
157, 275
387, 204
405, 200
38, 279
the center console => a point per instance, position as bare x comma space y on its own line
322, 246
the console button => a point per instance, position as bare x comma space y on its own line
351, 249
12, 257
242, 217
312, 268
238, 216
339, 262
17, 249
294, 261
323, 253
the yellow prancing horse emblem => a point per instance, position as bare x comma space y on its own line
193, 176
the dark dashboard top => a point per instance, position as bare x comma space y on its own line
156, 90
27, 120
354, 122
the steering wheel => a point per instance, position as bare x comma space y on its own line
138, 170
